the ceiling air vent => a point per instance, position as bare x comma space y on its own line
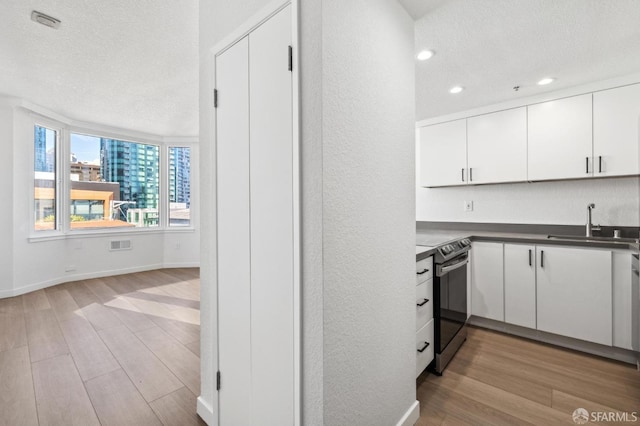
43, 19
120, 245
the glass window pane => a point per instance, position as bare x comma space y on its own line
179, 186
45, 142
116, 180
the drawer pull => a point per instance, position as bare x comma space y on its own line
424, 271
425, 301
426, 345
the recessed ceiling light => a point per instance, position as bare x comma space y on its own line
456, 89
546, 80
424, 55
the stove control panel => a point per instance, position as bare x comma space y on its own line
454, 247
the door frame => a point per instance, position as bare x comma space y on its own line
210, 411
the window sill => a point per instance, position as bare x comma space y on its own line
101, 233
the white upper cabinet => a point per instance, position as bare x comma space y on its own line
616, 126
560, 139
443, 154
497, 146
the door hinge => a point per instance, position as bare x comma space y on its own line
218, 380
215, 98
290, 58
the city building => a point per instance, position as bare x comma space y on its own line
135, 167
85, 172
40, 146
179, 175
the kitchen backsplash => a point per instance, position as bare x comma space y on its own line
617, 202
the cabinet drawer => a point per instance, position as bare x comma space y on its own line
424, 270
424, 358
424, 303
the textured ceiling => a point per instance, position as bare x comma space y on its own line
489, 46
418, 8
129, 64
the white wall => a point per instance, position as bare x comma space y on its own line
6, 211
32, 264
369, 222
617, 202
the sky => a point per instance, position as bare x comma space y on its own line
86, 148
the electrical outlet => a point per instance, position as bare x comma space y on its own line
468, 206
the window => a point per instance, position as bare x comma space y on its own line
114, 183
179, 186
45, 182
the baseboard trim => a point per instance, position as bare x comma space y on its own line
205, 411
181, 265
87, 276
411, 416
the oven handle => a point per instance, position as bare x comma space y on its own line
442, 270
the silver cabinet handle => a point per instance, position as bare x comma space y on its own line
463, 174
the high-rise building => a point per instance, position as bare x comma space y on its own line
40, 146
180, 175
135, 167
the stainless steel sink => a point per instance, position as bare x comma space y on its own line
593, 239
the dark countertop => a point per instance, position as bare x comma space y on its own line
437, 234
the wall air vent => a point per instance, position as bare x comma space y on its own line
43, 19
120, 245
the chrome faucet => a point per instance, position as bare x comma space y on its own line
590, 227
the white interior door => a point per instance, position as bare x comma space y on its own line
255, 167
234, 278
272, 261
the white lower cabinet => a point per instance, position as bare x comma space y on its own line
520, 285
487, 281
574, 293
424, 347
582, 293
424, 314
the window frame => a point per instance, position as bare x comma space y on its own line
64, 129
58, 128
168, 186
107, 135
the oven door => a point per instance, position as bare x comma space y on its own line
450, 293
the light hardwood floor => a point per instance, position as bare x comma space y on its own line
497, 379
121, 350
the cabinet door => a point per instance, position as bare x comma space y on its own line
616, 131
622, 300
443, 154
560, 139
497, 147
520, 285
574, 293
487, 281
